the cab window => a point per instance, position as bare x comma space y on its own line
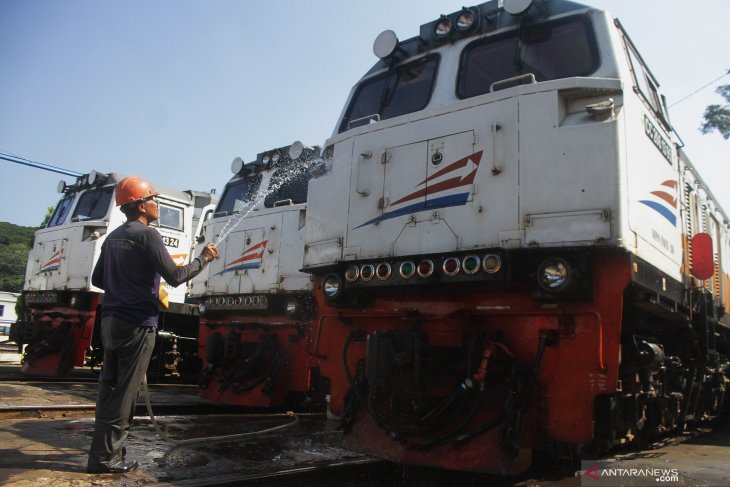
93, 204
170, 217
288, 186
238, 195
61, 211
554, 50
404, 89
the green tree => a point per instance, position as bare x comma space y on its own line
717, 117
47, 218
14, 248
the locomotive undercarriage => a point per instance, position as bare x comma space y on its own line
255, 364
55, 339
674, 370
476, 379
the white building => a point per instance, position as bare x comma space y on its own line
7, 311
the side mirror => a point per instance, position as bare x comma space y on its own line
703, 259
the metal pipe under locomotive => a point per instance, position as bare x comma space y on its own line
256, 305
512, 254
59, 328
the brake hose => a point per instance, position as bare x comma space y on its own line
209, 439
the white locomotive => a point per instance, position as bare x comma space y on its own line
256, 305
58, 330
513, 254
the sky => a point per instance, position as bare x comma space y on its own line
174, 90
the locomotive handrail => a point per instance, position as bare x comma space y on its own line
372, 116
529, 76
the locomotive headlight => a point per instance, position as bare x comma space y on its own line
332, 286
556, 275
202, 308
75, 301
466, 19
275, 157
443, 27
292, 307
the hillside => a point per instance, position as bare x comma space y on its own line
15, 244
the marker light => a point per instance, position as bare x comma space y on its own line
466, 19
383, 271
367, 272
443, 27
451, 266
555, 275
332, 286
407, 269
492, 263
425, 268
352, 273
471, 264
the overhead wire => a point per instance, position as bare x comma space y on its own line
700, 89
38, 165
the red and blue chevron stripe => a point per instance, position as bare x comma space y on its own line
459, 174
250, 258
54, 263
667, 206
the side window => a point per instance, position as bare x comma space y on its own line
93, 204
170, 217
61, 211
644, 82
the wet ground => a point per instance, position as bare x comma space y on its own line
50, 447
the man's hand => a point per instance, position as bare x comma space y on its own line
210, 252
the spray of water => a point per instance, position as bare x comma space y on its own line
295, 171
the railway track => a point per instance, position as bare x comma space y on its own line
302, 475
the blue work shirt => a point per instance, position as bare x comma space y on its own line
132, 259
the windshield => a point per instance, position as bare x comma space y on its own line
238, 195
288, 186
550, 51
61, 211
93, 204
403, 90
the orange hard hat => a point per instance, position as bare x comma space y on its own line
132, 189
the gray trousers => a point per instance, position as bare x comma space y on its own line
127, 352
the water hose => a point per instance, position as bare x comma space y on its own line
209, 439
